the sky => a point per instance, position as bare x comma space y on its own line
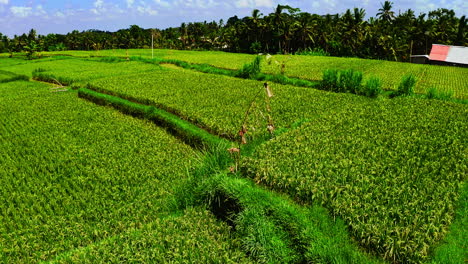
63, 16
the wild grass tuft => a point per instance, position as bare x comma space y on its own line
406, 86
250, 70
372, 87
313, 52
111, 59
434, 93
342, 81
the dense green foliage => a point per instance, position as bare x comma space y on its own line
406, 87
396, 190
342, 81
387, 36
73, 174
195, 237
87, 184
434, 93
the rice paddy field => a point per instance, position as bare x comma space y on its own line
343, 179
444, 78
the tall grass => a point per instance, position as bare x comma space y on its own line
342, 81
434, 93
372, 87
406, 86
250, 70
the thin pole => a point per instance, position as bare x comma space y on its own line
152, 46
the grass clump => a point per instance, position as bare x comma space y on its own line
250, 70
313, 52
342, 81
372, 87
434, 93
406, 86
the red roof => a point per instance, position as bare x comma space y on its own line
439, 52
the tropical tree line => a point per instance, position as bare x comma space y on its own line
287, 30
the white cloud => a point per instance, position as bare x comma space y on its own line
197, 3
59, 14
147, 10
98, 4
21, 11
130, 3
3, 2
98, 7
40, 11
162, 3
254, 3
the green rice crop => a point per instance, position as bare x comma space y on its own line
73, 174
194, 237
311, 67
71, 70
218, 103
392, 169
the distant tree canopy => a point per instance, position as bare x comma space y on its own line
387, 36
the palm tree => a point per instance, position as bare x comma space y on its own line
255, 19
385, 12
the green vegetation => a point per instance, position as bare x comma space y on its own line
406, 87
313, 52
188, 132
342, 81
385, 36
77, 178
272, 229
372, 87
310, 68
453, 247
434, 93
85, 184
195, 237
397, 191
6, 76
218, 103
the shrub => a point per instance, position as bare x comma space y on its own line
250, 70
256, 47
342, 81
373, 87
330, 78
407, 84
